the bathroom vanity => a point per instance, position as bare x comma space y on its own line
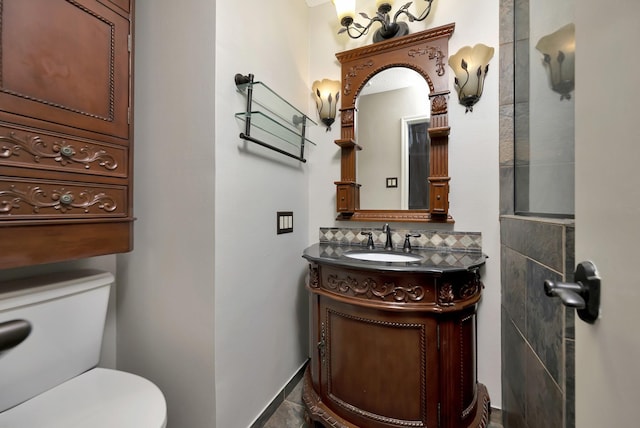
393, 343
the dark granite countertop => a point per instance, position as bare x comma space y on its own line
432, 261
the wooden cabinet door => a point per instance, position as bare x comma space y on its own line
65, 155
65, 62
379, 368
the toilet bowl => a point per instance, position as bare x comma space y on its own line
50, 337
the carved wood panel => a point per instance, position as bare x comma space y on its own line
23, 199
415, 291
35, 149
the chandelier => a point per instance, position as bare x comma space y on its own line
389, 27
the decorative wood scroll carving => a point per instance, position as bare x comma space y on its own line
57, 199
371, 288
314, 277
424, 52
61, 151
450, 293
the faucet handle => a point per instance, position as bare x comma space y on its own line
370, 245
407, 245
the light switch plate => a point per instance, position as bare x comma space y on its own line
284, 222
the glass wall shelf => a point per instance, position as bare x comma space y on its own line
276, 117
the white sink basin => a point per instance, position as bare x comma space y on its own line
380, 256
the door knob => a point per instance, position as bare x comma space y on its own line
584, 294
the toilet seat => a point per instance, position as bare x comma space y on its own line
98, 398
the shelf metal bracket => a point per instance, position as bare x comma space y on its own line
246, 135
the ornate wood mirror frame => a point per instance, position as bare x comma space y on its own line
425, 52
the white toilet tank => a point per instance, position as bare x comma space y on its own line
50, 337
66, 312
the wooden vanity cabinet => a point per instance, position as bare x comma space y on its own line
65, 129
393, 349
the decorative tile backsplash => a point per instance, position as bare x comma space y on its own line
428, 239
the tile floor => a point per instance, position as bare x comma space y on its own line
290, 414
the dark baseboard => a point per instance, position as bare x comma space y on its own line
279, 399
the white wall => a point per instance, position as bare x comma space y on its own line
261, 304
166, 294
473, 153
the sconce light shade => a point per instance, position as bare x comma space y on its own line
345, 9
327, 93
470, 65
559, 58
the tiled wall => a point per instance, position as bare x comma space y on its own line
429, 239
537, 331
538, 346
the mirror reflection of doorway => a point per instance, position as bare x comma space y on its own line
387, 98
415, 168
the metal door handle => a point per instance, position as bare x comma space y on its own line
12, 333
584, 294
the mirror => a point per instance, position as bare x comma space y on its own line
544, 118
366, 149
392, 130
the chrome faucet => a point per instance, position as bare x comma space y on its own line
388, 245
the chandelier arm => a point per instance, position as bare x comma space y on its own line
400, 11
404, 10
383, 19
359, 32
365, 30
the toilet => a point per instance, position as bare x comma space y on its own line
51, 331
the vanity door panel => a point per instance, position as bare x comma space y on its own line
379, 368
65, 62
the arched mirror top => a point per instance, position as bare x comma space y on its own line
426, 53
375, 73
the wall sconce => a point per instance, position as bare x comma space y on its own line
470, 65
346, 10
327, 94
559, 51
